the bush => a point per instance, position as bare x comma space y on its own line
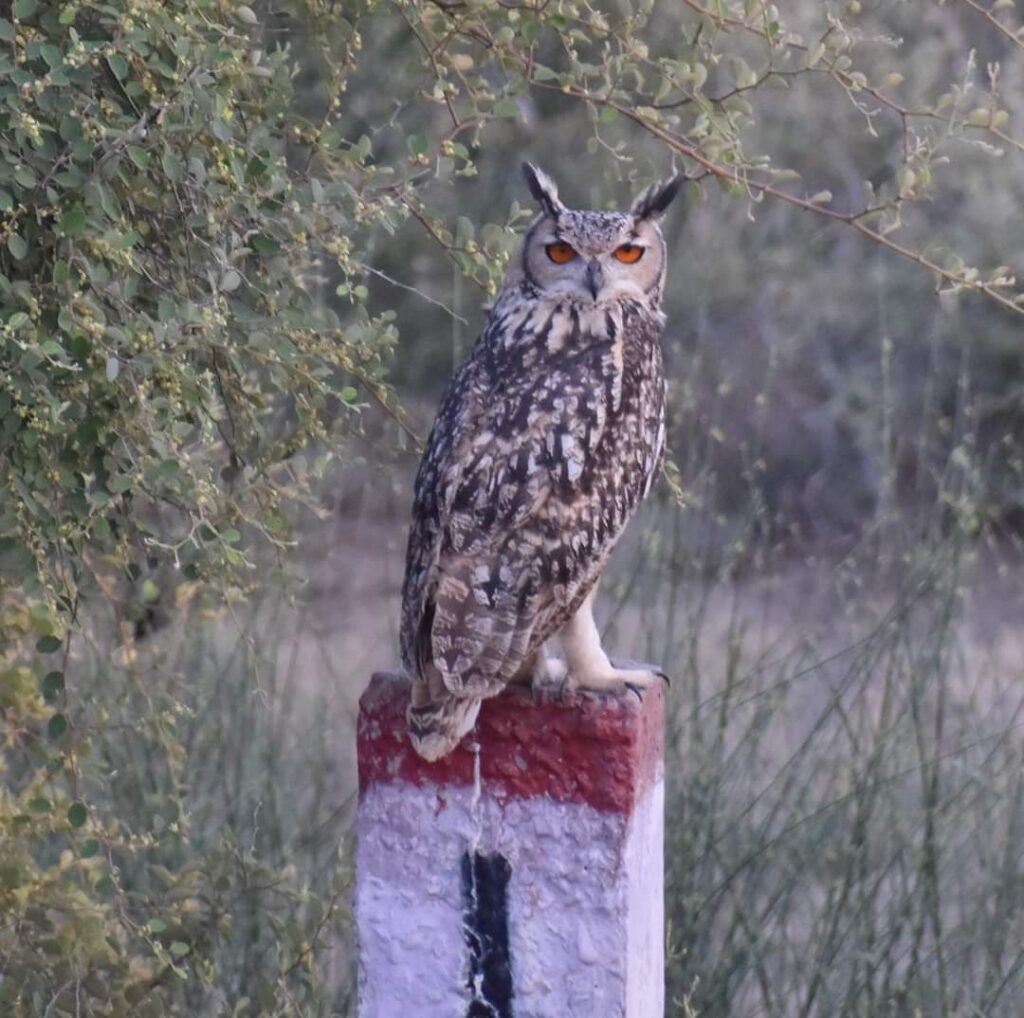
166, 362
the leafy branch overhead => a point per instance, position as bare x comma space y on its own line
695, 81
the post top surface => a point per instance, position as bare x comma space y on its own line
600, 749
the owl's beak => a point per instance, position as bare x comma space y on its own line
595, 278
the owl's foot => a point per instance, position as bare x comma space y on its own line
636, 676
589, 666
628, 664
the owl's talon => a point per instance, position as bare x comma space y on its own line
634, 688
627, 664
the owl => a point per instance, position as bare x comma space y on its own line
545, 443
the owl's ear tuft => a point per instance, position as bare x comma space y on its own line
543, 189
652, 202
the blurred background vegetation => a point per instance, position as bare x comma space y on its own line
242, 248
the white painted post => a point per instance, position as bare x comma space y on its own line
523, 874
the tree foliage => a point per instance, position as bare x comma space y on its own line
165, 363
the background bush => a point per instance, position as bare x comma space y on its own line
241, 250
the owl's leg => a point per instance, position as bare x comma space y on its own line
589, 666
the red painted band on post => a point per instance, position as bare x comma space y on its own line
603, 750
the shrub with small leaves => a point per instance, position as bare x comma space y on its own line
163, 352
168, 217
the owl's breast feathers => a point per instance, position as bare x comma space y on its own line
546, 441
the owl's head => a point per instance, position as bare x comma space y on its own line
597, 256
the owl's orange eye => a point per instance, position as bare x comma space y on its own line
560, 252
629, 253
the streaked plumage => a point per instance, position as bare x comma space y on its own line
545, 443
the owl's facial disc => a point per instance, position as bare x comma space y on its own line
595, 257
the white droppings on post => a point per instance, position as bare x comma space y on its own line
478, 782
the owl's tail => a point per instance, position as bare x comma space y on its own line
435, 727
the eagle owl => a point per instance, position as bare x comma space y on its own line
545, 443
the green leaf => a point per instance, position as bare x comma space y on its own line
89, 848
173, 166
163, 471
179, 949
52, 686
746, 77
417, 144
72, 223
6, 201
57, 727
506, 107
6, 31
77, 814
531, 30
118, 65
24, 8
51, 54
49, 644
263, 244
157, 925
24, 176
17, 246
138, 155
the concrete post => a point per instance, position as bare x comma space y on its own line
521, 875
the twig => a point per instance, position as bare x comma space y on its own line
853, 220
419, 293
992, 20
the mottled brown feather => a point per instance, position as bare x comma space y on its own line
545, 443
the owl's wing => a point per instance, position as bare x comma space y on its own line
508, 512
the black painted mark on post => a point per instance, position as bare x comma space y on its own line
485, 919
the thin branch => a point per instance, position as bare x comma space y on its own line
845, 78
993, 21
419, 293
853, 220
